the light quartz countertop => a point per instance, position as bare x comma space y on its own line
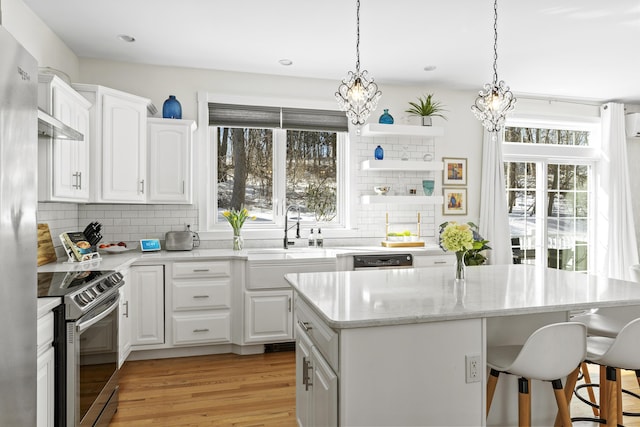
122, 260
352, 299
45, 305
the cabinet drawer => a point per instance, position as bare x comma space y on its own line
45, 331
202, 269
199, 295
325, 338
201, 328
434, 261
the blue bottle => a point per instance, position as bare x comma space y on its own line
386, 118
171, 109
379, 153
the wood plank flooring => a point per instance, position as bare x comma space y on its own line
215, 390
232, 390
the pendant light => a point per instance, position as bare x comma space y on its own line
495, 99
358, 95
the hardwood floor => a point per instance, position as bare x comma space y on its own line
215, 390
232, 390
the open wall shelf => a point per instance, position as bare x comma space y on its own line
403, 200
376, 129
401, 165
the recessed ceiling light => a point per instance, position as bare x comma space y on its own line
430, 68
285, 62
126, 38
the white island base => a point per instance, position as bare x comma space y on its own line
390, 348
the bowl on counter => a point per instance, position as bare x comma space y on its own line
381, 190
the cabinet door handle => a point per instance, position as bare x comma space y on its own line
79, 180
200, 296
200, 270
306, 378
201, 330
126, 305
305, 325
142, 186
289, 304
183, 187
75, 185
440, 262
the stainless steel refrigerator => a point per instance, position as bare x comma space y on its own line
18, 232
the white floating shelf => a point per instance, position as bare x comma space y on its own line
403, 200
376, 129
401, 165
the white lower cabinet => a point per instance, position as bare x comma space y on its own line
201, 302
268, 305
46, 372
124, 328
269, 316
316, 385
147, 304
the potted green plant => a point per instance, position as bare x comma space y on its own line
426, 108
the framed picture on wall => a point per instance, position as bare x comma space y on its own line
455, 201
455, 171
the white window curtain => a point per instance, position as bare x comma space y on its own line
617, 247
494, 221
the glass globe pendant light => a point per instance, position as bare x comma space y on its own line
358, 95
495, 99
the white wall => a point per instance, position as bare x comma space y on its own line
38, 39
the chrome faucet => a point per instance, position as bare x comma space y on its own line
287, 228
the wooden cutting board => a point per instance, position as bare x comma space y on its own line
46, 251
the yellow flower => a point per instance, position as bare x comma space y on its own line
236, 218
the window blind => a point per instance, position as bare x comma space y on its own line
232, 115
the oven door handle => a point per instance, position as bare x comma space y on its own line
82, 326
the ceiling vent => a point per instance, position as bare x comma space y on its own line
632, 125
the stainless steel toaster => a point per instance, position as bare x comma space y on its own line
179, 241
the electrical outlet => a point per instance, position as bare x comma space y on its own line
472, 368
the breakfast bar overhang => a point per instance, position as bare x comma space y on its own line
404, 336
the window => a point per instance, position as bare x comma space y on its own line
550, 194
269, 158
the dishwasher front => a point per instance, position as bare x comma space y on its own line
382, 261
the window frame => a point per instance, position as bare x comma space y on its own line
544, 155
206, 154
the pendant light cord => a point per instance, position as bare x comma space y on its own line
495, 42
357, 36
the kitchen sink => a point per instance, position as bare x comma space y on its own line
293, 253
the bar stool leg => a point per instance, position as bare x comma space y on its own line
612, 404
561, 400
638, 376
492, 382
618, 396
572, 379
603, 392
587, 380
524, 402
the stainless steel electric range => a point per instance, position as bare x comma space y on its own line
86, 341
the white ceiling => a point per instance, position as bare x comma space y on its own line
585, 49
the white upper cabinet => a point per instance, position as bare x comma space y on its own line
170, 160
63, 165
119, 135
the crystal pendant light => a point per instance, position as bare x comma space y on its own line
495, 99
358, 95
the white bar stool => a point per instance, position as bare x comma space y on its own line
549, 354
613, 354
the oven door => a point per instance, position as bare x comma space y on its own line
92, 366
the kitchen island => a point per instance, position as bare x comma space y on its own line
393, 347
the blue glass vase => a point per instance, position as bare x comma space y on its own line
378, 153
171, 109
386, 118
